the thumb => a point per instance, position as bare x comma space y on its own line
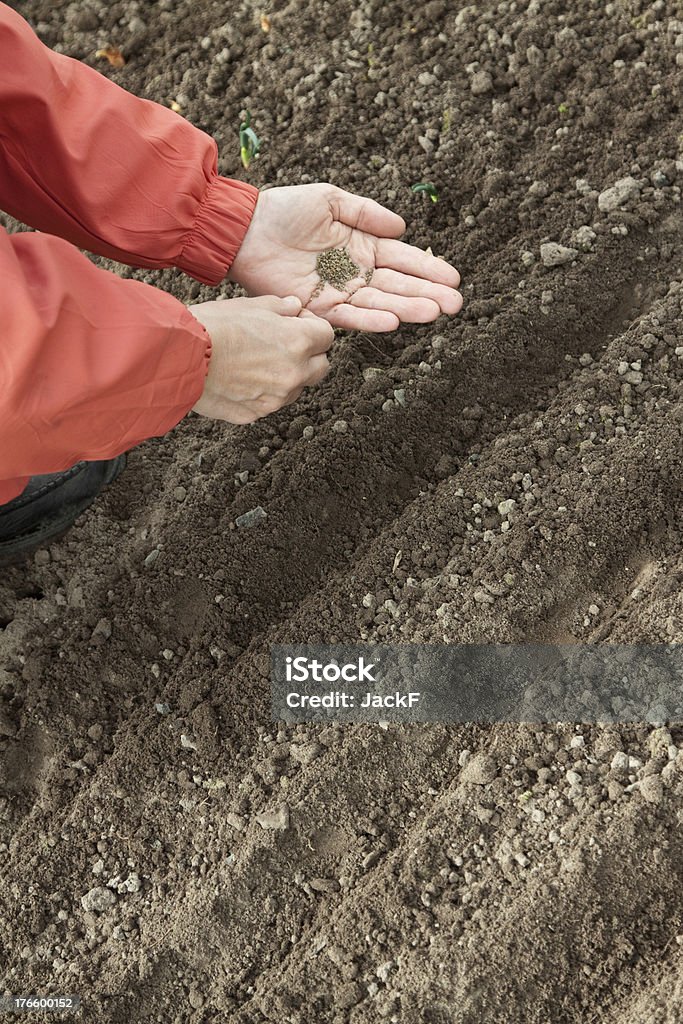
288, 306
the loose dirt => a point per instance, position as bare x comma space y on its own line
428, 874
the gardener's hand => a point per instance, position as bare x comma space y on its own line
291, 226
265, 351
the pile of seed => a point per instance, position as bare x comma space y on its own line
335, 267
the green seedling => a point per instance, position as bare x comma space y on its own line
249, 141
563, 108
428, 189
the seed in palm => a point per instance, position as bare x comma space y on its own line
335, 267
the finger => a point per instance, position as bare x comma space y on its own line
366, 215
318, 333
289, 306
318, 367
408, 259
409, 310
390, 281
352, 318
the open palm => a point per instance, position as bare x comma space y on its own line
396, 282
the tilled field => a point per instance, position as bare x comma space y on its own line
429, 873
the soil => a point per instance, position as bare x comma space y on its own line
362, 874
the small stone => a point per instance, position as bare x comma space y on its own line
298, 426
187, 742
179, 493
479, 770
195, 999
371, 373
41, 557
328, 885
305, 753
102, 630
426, 144
308, 433
340, 427
583, 238
506, 507
481, 83
426, 78
277, 820
618, 194
236, 821
659, 179
555, 255
152, 557
400, 396
98, 900
162, 709
251, 518
652, 789
619, 762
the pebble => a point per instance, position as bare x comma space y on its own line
554, 255
236, 821
479, 770
652, 789
481, 83
102, 629
275, 821
98, 899
619, 762
340, 427
618, 194
507, 506
583, 238
659, 179
308, 433
426, 78
179, 493
251, 518
304, 753
371, 373
400, 396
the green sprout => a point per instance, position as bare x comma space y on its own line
249, 141
428, 189
563, 108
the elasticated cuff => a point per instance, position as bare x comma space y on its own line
219, 230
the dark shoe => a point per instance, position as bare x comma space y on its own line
50, 505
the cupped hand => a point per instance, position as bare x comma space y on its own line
396, 282
265, 351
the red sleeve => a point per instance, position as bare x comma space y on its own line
90, 364
114, 174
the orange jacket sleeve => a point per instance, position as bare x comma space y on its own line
90, 364
113, 173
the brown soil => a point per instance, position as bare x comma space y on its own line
401, 890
